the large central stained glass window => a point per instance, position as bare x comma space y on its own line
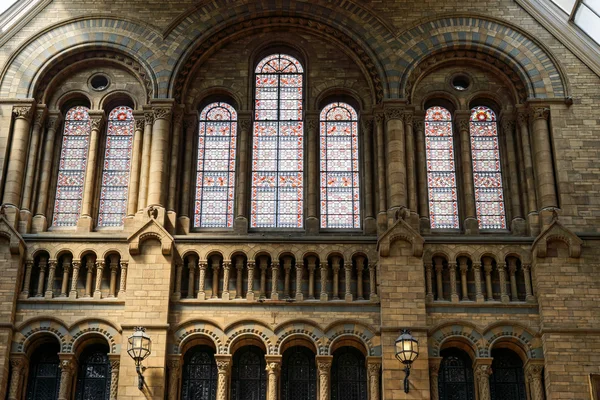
117, 167
215, 179
277, 147
340, 207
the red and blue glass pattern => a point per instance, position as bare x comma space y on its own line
487, 174
441, 169
277, 144
340, 190
215, 173
72, 165
116, 170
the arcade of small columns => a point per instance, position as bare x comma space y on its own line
403, 178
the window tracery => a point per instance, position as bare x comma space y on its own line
277, 156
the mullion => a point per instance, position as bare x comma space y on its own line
277, 145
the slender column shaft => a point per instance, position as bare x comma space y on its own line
324, 369
67, 368
381, 183
239, 266
464, 268
396, 158
65, 279
250, 291
215, 265
348, 282
192, 278
113, 279
312, 264
189, 123
512, 270
508, 128
17, 367
439, 268
434, 372
542, 156
360, 266
373, 282
123, 280
114, 379
299, 275
223, 367
136, 160
273, 369
478, 289
462, 120
99, 272
312, 125
18, 155
226, 269
324, 267
32, 159
529, 297
263, 277
245, 127
411, 173
174, 162
453, 291
523, 121
367, 134
335, 266
50, 285
41, 277
534, 376
88, 279
202, 266
429, 282
178, 278
27, 279
92, 165
487, 266
287, 267
419, 128
74, 279
274, 280
373, 371
482, 375
145, 167
502, 273
160, 142
174, 373
46, 166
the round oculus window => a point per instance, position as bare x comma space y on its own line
460, 83
99, 82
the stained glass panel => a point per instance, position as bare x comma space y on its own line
248, 377
277, 145
487, 174
340, 200
441, 169
72, 165
44, 373
117, 167
215, 173
507, 381
298, 374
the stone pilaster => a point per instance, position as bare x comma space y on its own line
312, 220
542, 157
174, 368
98, 286
145, 166
273, 372
67, 369
136, 165
76, 268
158, 165
174, 160
18, 367
419, 130
482, 371
396, 162
531, 207
223, 369
370, 224
27, 280
381, 173
533, 374
324, 296
115, 365
374, 373
190, 124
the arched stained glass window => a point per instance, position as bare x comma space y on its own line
71, 170
248, 377
340, 197
298, 374
455, 379
215, 176
441, 169
487, 176
277, 147
44, 373
117, 167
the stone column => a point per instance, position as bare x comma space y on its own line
429, 282
192, 278
202, 267
453, 292
470, 224
298, 295
263, 277
502, 273
226, 269
381, 181
529, 297
360, 266
41, 277
215, 265
51, 273
419, 130
178, 278
74, 279
174, 162
324, 295
99, 271
115, 365
65, 279
312, 184
273, 371
487, 266
85, 222
190, 124
15, 170
32, 162
464, 268
373, 296
508, 129
542, 157
123, 280
274, 280
531, 208
312, 264
40, 222
145, 167
241, 197
67, 368
324, 370
27, 279
396, 161
223, 368
250, 290
411, 173
512, 270
439, 268
374, 371
287, 267
239, 266
533, 372
335, 267
136, 164
434, 373
174, 368
158, 166
370, 225
348, 281
478, 289
483, 370
114, 268
88, 279
18, 367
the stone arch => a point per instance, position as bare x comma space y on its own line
123, 36
300, 328
191, 330
521, 254
479, 36
438, 97
110, 251
250, 328
461, 331
37, 251
355, 330
118, 97
83, 329
190, 252
79, 96
220, 91
237, 251
516, 334
337, 88
33, 328
86, 251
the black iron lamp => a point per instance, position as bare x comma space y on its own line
139, 348
407, 351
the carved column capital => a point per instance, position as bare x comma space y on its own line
97, 121
408, 118
508, 124
367, 125
162, 112
373, 369
273, 367
419, 126
39, 117
540, 113
124, 264
251, 264
312, 123
52, 264
18, 363
226, 264
379, 117
54, 121
245, 124
324, 366
463, 124
139, 123
392, 113
23, 112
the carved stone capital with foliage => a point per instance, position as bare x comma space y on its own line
245, 124
540, 113
162, 113
23, 112
367, 125
394, 113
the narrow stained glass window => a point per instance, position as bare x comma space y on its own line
71, 170
117, 167
277, 147
441, 171
340, 206
487, 176
215, 179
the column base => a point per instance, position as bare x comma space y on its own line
39, 224
250, 296
171, 222
299, 297
176, 297
275, 296
183, 225
370, 226
547, 216
312, 226
349, 297
49, 294
240, 225
518, 227
504, 298
201, 296
454, 298
324, 297
97, 294
429, 298
225, 296
73, 294
85, 224
374, 298
381, 222
533, 222
471, 226
24, 221
530, 299
23, 295
479, 298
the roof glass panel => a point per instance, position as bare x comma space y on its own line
588, 21
565, 5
